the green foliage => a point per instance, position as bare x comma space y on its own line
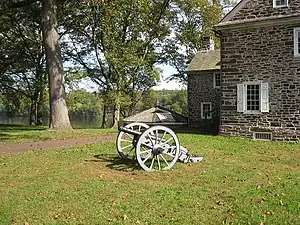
193, 19
149, 99
24, 79
81, 102
115, 43
175, 100
73, 78
15, 104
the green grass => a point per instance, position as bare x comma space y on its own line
239, 182
19, 134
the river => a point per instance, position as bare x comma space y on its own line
77, 122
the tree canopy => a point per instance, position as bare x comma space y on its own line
118, 44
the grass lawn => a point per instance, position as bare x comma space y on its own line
239, 182
20, 133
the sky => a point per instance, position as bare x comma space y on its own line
171, 85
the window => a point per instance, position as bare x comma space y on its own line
217, 80
205, 110
280, 3
252, 97
297, 42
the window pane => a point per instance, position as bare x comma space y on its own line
281, 2
253, 97
217, 77
206, 110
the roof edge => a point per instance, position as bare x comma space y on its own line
235, 10
191, 72
263, 21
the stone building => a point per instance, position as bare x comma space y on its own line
260, 70
204, 89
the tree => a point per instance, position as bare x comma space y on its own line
24, 59
116, 44
59, 119
193, 19
175, 100
83, 103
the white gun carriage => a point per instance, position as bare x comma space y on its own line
154, 148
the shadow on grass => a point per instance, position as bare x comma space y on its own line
116, 163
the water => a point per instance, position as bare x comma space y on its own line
76, 122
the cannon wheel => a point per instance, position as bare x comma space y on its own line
157, 149
125, 142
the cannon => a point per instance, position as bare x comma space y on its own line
154, 148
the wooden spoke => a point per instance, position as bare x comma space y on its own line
158, 162
162, 137
129, 135
164, 159
156, 136
130, 151
126, 146
146, 151
145, 160
152, 162
171, 138
125, 140
151, 140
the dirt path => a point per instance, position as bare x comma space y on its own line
41, 145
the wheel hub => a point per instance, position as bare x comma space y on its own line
157, 149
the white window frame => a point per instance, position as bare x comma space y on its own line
280, 6
242, 97
214, 80
202, 114
296, 41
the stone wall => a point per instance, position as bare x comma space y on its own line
265, 54
200, 89
264, 8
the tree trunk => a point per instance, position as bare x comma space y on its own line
59, 118
31, 113
39, 109
117, 111
104, 124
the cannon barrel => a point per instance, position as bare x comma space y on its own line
129, 131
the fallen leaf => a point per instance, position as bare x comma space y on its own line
281, 202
